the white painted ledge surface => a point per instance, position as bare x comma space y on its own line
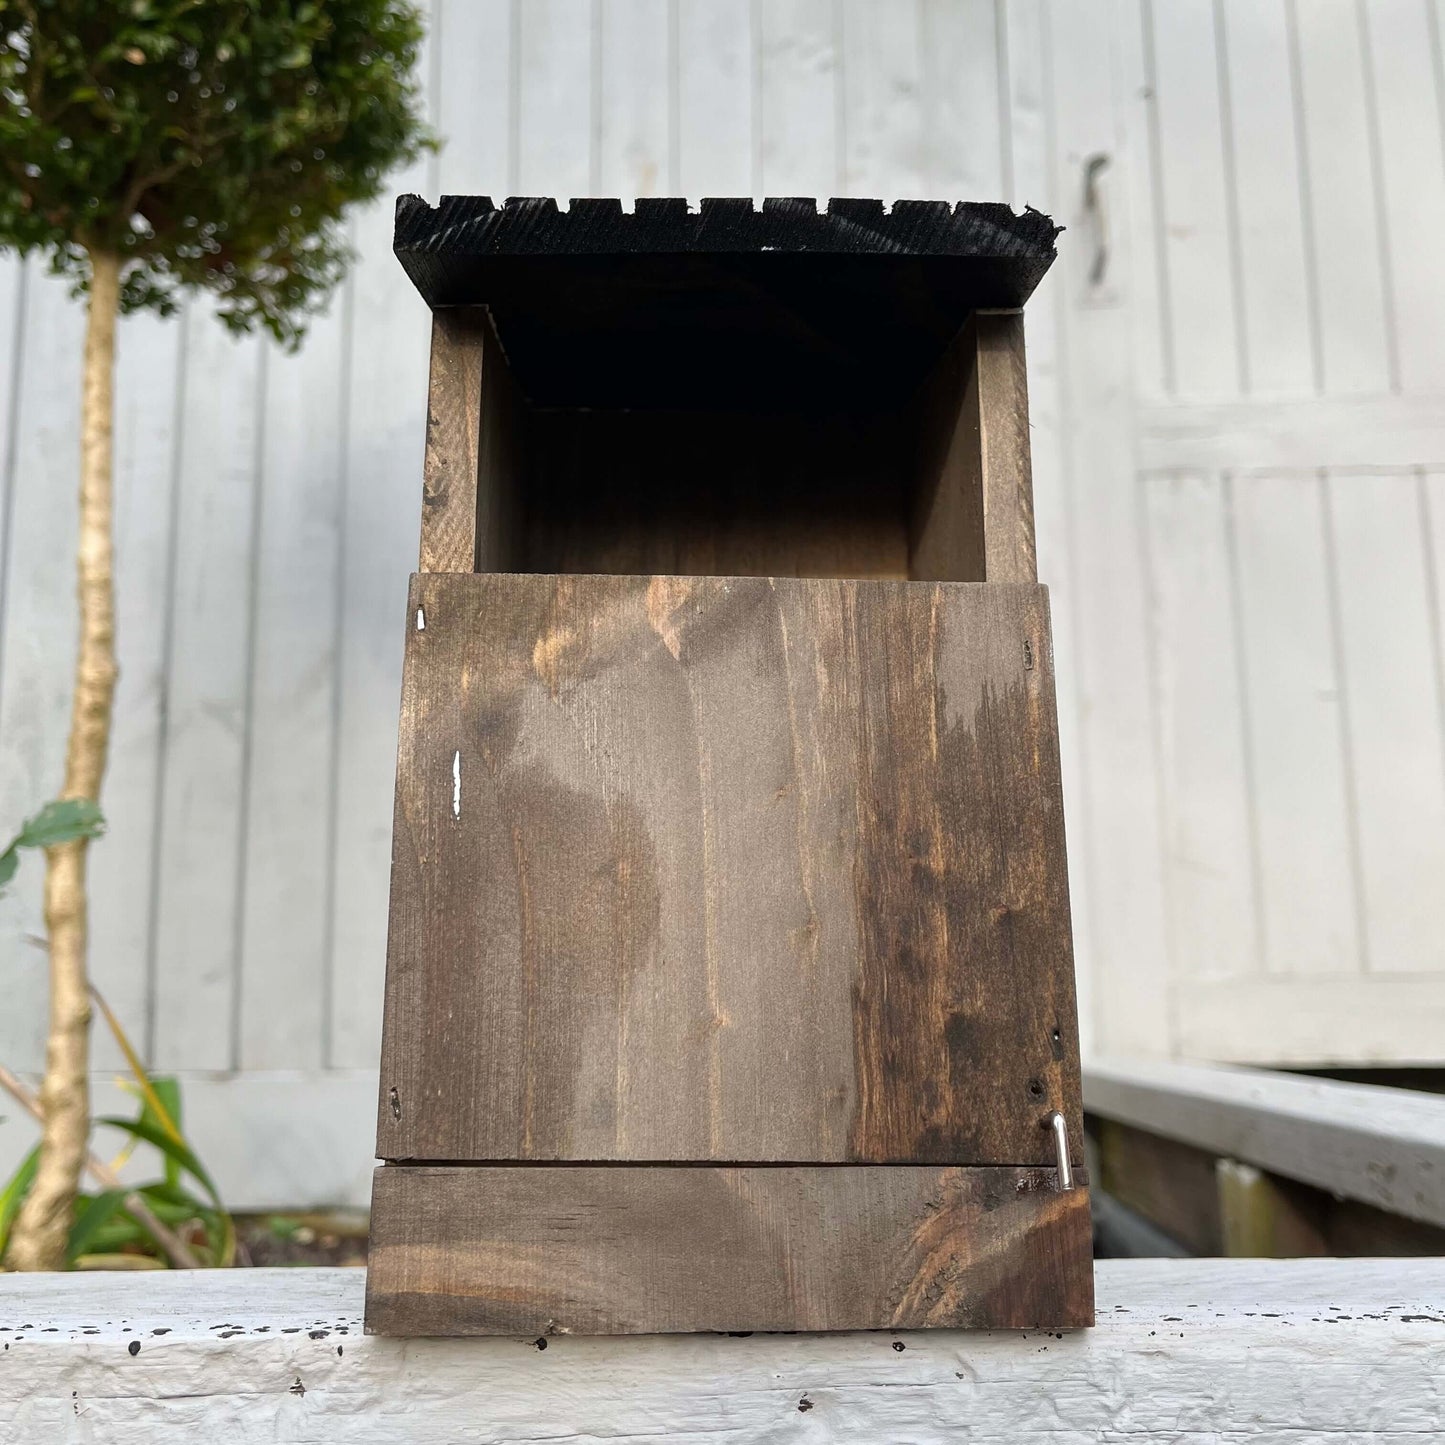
1185, 1350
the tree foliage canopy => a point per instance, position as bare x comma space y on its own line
209, 143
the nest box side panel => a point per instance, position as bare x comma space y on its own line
472, 471
973, 514
728, 869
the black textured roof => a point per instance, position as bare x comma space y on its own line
431, 240
724, 304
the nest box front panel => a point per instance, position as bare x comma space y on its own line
727, 869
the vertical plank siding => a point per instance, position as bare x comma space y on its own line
1114, 823
1209, 837
1249, 662
965, 129
798, 124
1305, 882
384, 436
475, 104
557, 154
1399, 45
290, 687
1277, 347
201, 823
713, 83
1342, 199
1386, 651
634, 46
1194, 198
39, 636
1295, 178
122, 871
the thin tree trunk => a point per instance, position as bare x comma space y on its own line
43, 1226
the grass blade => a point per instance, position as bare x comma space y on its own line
143, 1080
14, 1194
182, 1154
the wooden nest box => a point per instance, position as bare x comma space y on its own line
729, 982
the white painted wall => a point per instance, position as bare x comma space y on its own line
1289, 369
1238, 399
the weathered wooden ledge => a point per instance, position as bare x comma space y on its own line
1384, 1147
1185, 1350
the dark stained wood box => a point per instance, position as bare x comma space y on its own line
729, 982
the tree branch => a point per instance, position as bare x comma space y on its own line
131, 202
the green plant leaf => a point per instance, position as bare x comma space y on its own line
16, 1188
224, 1250
95, 1213
176, 1206
62, 820
166, 1196
169, 1147
172, 1215
122, 1232
160, 1096
161, 1106
59, 821
168, 1091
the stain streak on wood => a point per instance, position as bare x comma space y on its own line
587, 1250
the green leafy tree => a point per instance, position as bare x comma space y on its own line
149, 148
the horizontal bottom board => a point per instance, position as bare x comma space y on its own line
641, 1249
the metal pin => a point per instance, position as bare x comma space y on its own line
1060, 1129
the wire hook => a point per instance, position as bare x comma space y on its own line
1055, 1123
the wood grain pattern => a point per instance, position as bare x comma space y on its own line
974, 512
473, 1250
449, 488
1008, 483
727, 869
469, 505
